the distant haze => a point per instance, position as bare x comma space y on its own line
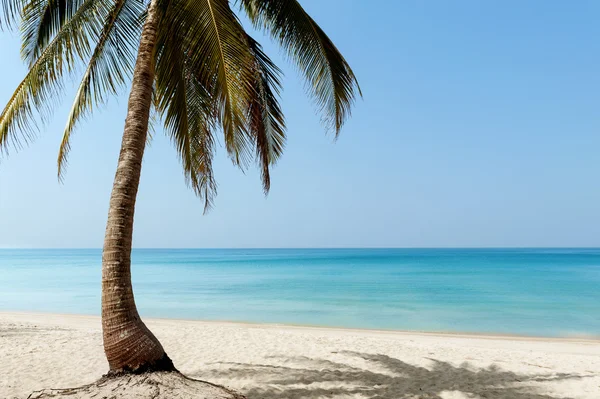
480, 126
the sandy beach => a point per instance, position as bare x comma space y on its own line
271, 361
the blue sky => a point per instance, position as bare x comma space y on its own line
479, 127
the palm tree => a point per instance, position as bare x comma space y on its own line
201, 72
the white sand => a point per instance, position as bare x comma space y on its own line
265, 361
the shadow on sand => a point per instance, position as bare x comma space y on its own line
326, 379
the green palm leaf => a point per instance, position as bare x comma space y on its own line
201, 142
44, 78
189, 114
109, 67
267, 122
41, 20
218, 55
210, 74
330, 78
10, 11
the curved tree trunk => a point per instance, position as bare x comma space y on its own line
128, 343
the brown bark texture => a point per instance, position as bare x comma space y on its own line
128, 344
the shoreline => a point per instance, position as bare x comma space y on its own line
274, 361
250, 324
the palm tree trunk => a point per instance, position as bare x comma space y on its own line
128, 344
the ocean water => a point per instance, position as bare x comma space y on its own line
542, 292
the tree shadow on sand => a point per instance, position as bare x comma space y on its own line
326, 379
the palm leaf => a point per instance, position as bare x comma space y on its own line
267, 123
10, 11
219, 58
108, 68
330, 79
209, 73
44, 78
40, 21
201, 141
188, 112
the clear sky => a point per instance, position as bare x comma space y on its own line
480, 126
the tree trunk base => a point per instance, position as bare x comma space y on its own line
150, 385
163, 364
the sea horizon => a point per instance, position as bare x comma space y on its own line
325, 247
540, 292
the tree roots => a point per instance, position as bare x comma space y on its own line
150, 385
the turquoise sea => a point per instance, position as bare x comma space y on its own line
542, 292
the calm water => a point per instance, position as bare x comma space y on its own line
549, 292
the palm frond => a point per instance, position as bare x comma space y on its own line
330, 79
10, 11
201, 141
188, 113
267, 123
44, 78
108, 68
218, 56
40, 21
